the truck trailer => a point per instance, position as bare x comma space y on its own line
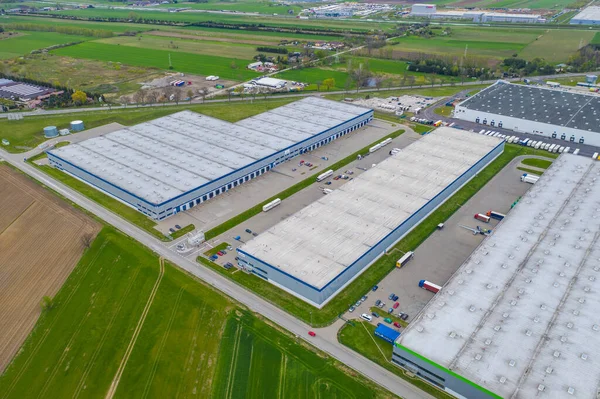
482, 217
429, 286
495, 215
528, 178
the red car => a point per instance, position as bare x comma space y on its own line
220, 253
396, 324
396, 305
312, 334
301, 162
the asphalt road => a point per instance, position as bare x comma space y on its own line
325, 342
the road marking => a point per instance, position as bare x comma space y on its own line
117, 378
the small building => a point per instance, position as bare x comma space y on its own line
255, 65
587, 16
423, 10
271, 83
386, 333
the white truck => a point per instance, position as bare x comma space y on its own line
529, 178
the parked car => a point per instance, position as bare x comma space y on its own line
328, 183
224, 252
229, 248
172, 230
391, 310
254, 234
374, 288
397, 325
391, 297
214, 257
336, 178
351, 309
366, 317
364, 298
388, 320
377, 302
177, 226
248, 231
228, 265
375, 314
395, 298
220, 253
395, 306
312, 334
404, 316
357, 304
381, 305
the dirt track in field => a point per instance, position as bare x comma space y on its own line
40, 244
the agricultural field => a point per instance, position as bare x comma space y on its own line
533, 4
95, 76
41, 241
259, 36
127, 324
557, 45
227, 68
24, 42
313, 75
247, 6
53, 22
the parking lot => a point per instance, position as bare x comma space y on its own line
296, 202
237, 200
445, 250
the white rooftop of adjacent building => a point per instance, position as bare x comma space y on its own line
163, 158
521, 315
317, 243
588, 14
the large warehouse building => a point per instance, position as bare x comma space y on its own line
587, 16
570, 116
173, 163
521, 317
316, 252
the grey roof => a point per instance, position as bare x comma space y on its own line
320, 241
521, 315
552, 106
588, 14
166, 157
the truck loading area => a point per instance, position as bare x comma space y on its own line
438, 257
235, 201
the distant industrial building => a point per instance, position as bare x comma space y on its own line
519, 319
317, 251
587, 16
430, 11
562, 114
173, 163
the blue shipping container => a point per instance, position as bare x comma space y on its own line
386, 333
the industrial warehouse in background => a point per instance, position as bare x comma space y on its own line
430, 11
519, 319
317, 251
173, 163
587, 16
565, 115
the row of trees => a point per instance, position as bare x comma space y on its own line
521, 67
67, 30
277, 50
166, 94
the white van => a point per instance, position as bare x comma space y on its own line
551, 149
561, 149
567, 150
366, 317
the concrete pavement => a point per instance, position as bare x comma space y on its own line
325, 342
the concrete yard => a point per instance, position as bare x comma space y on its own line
289, 206
237, 200
445, 250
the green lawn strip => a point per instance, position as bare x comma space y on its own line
183, 231
383, 313
538, 163
383, 265
360, 337
255, 210
27, 133
216, 249
535, 172
444, 111
126, 212
386, 116
419, 128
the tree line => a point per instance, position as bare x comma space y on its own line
67, 30
277, 50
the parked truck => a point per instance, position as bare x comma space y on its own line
495, 215
529, 178
482, 217
429, 286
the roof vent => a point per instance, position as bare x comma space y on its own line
488, 341
502, 380
471, 308
512, 363
556, 354
496, 328
543, 307
549, 370
595, 327
541, 387
478, 356
576, 312
571, 391
569, 325
528, 333
513, 302
452, 334
584, 356
420, 328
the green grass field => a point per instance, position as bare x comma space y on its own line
273, 37
186, 340
115, 27
536, 162
312, 75
25, 42
263, 7
145, 57
557, 45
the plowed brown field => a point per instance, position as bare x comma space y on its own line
41, 241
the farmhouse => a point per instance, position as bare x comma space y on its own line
173, 163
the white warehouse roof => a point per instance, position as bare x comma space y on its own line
587, 15
317, 243
166, 157
521, 317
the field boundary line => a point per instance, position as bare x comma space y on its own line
117, 378
88, 368
232, 366
282, 373
47, 332
163, 341
375, 342
18, 216
67, 350
188, 359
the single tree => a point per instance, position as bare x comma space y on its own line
79, 97
203, 91
47, 303
329, 83
87, 239
190, 94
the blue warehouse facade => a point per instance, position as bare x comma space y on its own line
156, 184
258, 258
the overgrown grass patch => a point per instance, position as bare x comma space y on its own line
538, 163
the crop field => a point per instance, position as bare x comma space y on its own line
23, 43
111, 26
312, 75
144, 57
253, 34
596, 39
127, 324
252, 6
230, 50
557, 45
41, 240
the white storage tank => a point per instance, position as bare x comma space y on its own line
77, 126
50, 131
